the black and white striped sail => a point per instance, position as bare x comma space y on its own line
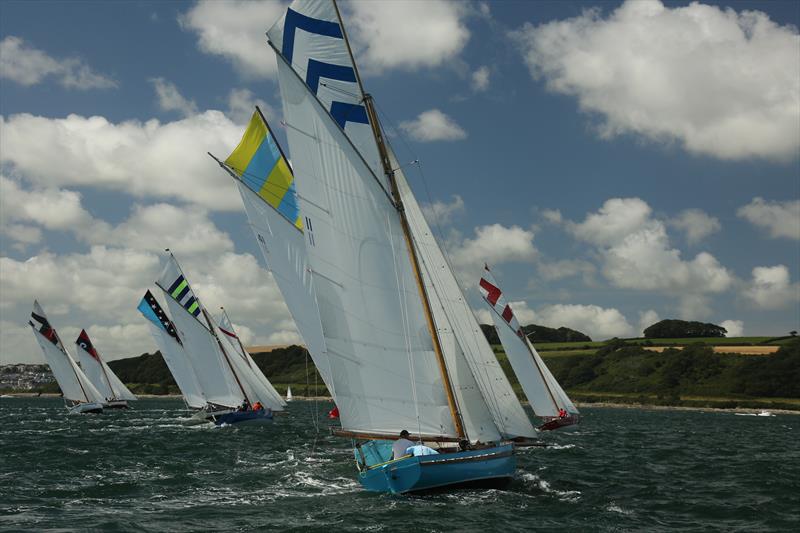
169, 344
98, 371
214, 373
74, 384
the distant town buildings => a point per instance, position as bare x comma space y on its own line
24, 377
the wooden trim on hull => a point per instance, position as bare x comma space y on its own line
364, 435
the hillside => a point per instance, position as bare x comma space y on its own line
618, 370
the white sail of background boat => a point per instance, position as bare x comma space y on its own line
256, 383
548, 400
79, 393
115, 393
225, 378
289, 396
399, 343
169, 344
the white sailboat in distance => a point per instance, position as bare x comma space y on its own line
116, 395
80, 396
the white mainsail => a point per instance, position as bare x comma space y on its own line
210, 363
98, 372
255, 382
380, 350
169, 344
74, 384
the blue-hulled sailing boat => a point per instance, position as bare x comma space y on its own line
377, 304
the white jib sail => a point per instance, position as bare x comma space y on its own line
94, 372
209, 362
284, 250
561, 396
166, 336
485, 388
98, 372
525, 367
256, 385
381, 355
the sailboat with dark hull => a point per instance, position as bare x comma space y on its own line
376, 302
230, 382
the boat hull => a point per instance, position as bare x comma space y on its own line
262, 416
116, 404
86, 408
570, 422
490, 466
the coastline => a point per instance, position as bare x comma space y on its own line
610, 405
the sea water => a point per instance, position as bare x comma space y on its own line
622, 470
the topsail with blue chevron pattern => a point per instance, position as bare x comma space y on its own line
311, 39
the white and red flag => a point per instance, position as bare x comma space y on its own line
494, 296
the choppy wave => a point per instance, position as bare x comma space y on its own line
624, 470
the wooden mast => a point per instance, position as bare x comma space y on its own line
387, 169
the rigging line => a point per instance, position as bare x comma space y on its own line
406, 328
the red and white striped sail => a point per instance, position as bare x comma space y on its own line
545, 395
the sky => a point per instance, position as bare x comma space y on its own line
615, 163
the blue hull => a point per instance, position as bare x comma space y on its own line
244, 417
444, 470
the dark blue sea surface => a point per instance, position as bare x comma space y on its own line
623, 470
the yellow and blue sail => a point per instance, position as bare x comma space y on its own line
259, 163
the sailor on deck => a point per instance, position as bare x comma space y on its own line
401, 445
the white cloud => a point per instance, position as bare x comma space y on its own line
697, 224
553, 216
170, 98
26, 65
735, 328
235, 30
441, 213
433, 125
566, 268
493, 244
406, 34
242, 104
99, 291
480, 79
647, 319
637, 255
721, 83
780, 219
771, 288
54, 209
145, 159
22, 234
597, 322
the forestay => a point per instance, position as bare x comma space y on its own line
74, 384
488, 403
525, 366
213, 371
169, 344
380, 350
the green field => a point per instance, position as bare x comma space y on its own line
737, 341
